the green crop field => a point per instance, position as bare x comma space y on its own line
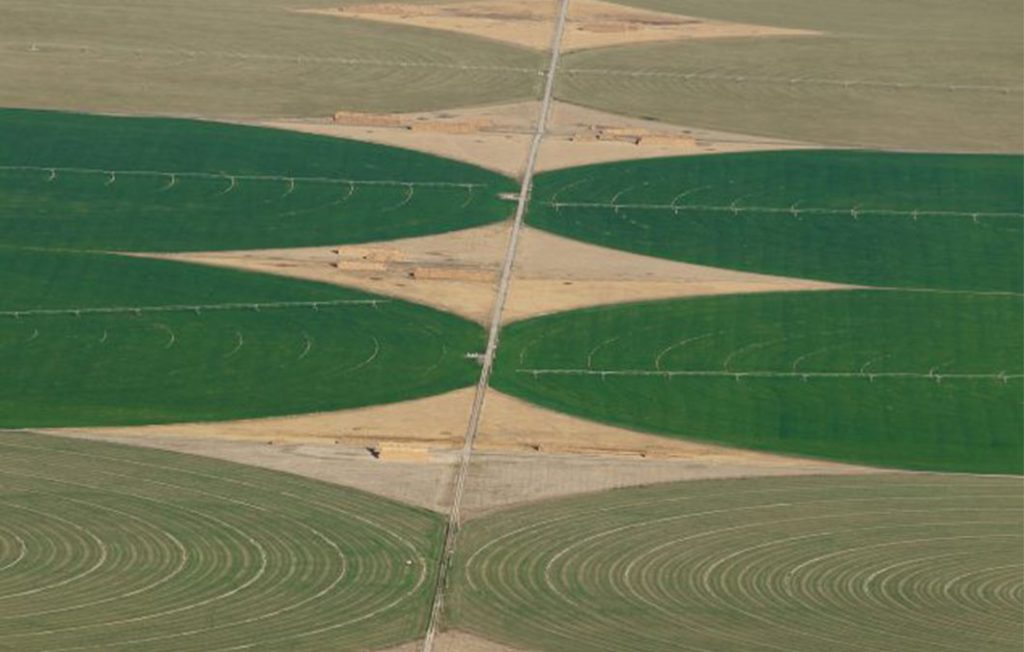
924, 75
106, 547
909, 220
98, 339
95, 338
880, 562
918, 380
243, 59
89, 182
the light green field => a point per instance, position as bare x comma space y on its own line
243, 59
846, 564
916, 380
935, 75
107, 547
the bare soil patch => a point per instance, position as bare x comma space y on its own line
528, 23
455, 271
554, 273
523, 452
495, 137
458, 271
425, 484
581, 136
456, 641
498, 137
498, 481
436, 421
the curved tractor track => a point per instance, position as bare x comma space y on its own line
106, 547
881, 562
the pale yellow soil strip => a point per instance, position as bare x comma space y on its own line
458, 272
527, 23
497, 137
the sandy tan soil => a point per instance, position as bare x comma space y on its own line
436, 421
498, 481
424, 484
458, 271
497, 137
581, 136
554, 273
528, 23
456, 641
478, 251
523, 452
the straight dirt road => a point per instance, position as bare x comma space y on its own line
493, 334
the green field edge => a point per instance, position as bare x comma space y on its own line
541, 399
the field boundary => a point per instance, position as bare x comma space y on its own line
462, 470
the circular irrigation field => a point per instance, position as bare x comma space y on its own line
107, 547
878, 562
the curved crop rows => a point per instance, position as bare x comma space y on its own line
883, 562
105, 547
870, 218
918, 380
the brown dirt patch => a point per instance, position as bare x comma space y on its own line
523, 452
493, 137
526, 453
581, 136
425, 484
553, 273
458, 272
436, 422
456, 641
497, 137
529, 23
424, 270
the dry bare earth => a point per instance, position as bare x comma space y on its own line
458, 271
461, 133
528, 23
456, 641
523, 452
424, 484
497, 137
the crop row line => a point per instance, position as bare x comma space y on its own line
845, 83
245, 56
233, 178
793, 210
362, 61
938, 377
316, 305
